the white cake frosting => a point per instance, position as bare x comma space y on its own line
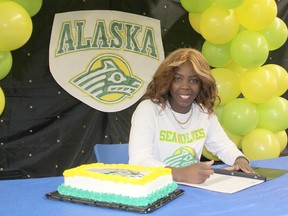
125, 189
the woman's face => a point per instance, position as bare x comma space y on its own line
185, 88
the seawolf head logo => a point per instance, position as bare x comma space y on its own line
108, 79
182, 157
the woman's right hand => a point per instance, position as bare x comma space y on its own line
194, 173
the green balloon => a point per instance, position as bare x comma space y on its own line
275, 34
5, 63
217, 55
273, 114
196, 6
239, 116
249, 49
32, 7
218, 109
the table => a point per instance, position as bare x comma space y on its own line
27, 197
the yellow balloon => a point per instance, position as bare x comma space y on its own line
207, 154
2, 101
260, 144
228, 84
194, 19
256, 14
281, 76
258, 85
282, 138
218, 25
229, 3
15, 26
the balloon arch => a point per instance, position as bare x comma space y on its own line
252, 109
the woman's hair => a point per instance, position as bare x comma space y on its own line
158, 89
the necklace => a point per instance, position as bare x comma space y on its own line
185, 122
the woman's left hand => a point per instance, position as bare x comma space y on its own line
241, 163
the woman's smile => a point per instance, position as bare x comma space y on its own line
185, 88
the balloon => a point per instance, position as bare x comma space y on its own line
217, 55
260, 144
282, 139
258, 85
235, 138
257, 14
15, 26
32, 7
196, 6
5, 63
239, 116
229, 3
207, 154
273, 114
218, 25
249, 49
2, 101
218, 109
228, 84
275, 34
281, 76
236, 69
194, 19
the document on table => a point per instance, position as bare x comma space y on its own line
229, 181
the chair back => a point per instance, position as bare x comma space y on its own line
111, 153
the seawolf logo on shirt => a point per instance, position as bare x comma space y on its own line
182, 157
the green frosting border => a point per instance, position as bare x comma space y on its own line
115, 198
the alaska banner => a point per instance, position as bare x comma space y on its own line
105, 59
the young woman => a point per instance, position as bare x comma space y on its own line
175, 121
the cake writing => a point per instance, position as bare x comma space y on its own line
121, 172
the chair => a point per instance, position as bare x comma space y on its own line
111, 153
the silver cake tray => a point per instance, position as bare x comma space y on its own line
140, 209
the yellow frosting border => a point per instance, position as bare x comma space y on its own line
154, 172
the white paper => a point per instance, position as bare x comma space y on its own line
225, 183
